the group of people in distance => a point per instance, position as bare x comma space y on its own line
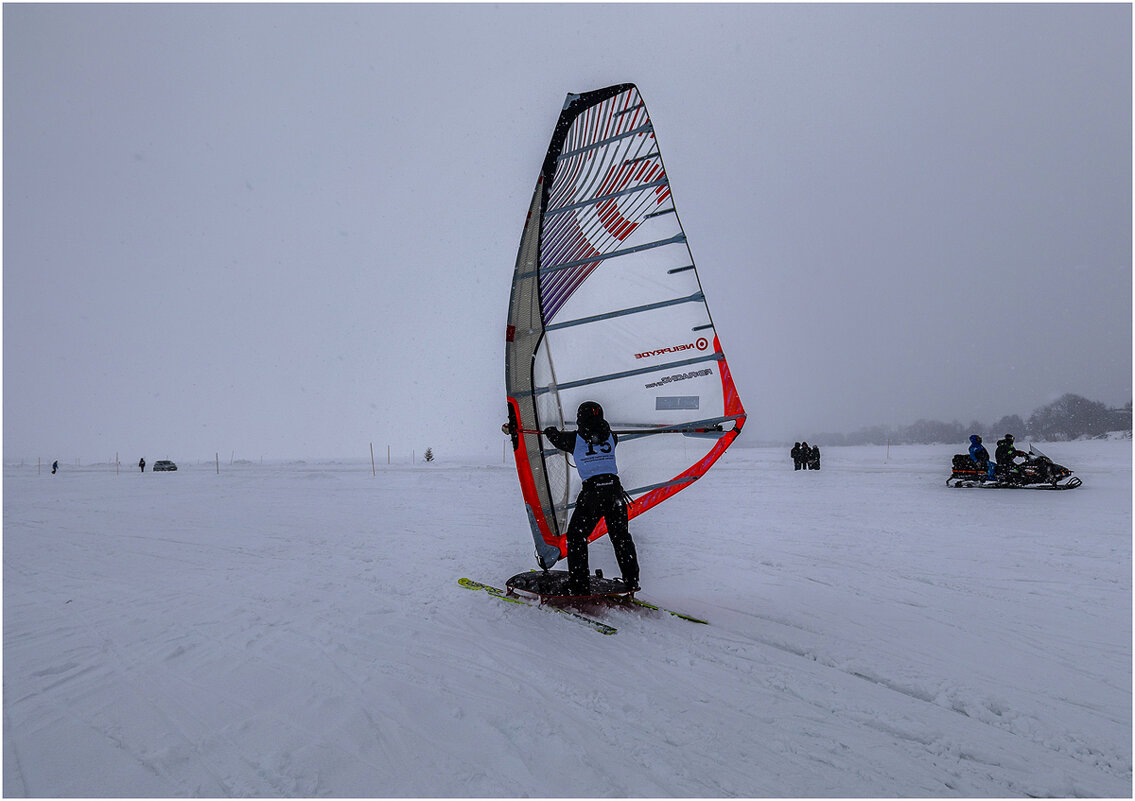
1005, 454
806, 457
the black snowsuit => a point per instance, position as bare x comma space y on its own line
797, 456
602, 497
142, 464
814, 458
1004, 456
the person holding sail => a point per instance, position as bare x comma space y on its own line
602, 496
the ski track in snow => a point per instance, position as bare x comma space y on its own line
297, 630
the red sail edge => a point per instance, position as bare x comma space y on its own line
528, 489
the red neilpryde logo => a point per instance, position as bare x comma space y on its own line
701, 344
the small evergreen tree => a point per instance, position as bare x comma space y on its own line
429, 455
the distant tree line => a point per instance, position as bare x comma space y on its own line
1068, 417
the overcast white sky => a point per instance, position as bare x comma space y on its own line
289, 230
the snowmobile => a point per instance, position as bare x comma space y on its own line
1036, 472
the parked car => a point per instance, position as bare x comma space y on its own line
164, 465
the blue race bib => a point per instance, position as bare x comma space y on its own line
595, 460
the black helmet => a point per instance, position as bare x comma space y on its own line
1008, 437
589, 420
588, 414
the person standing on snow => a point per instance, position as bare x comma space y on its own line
980, 456
602, 496
797, 456
142, 464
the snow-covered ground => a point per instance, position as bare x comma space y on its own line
297, 630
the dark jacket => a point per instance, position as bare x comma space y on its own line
1006, 452
977, 452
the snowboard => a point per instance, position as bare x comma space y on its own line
552, 586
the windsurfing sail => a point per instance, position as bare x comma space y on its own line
607, 306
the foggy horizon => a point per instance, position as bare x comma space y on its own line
289, 231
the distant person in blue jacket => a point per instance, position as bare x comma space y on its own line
980, 456
602, 496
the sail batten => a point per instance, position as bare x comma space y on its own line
604, 198
588, 260
603, 143
694, 298
607, 305
658, 368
